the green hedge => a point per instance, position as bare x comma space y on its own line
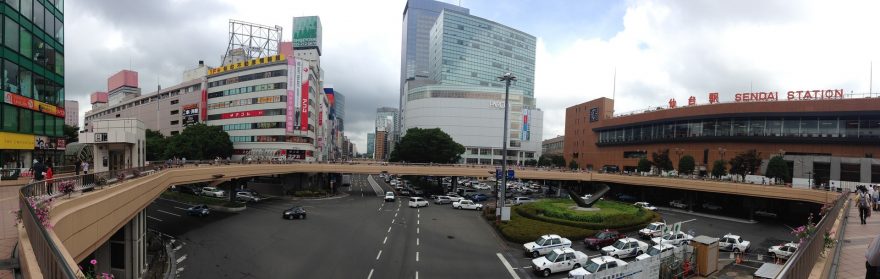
310, 193
521, 229
613, 215
193, 199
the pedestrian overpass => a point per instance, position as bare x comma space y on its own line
83, 223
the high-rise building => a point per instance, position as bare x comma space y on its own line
386, 121
32, 113
381, 150
418, 18
371, 144
71, 111
463, 96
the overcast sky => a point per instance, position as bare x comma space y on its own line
660, 49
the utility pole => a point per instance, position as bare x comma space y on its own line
507, 78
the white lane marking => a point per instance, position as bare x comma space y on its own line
417, 230
507, 265
371, 274
418, 222
418, 215
379, 255
166, 212
417, 275
417, 256
389, 228
154, 218
392, 220
417, 241
386, 240
180, 208
395, 214
181, 259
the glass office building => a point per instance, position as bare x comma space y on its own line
469, 50
32, 78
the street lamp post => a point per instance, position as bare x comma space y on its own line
507, 78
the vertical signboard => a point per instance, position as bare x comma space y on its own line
204, 111
190, 114
304, 96
525, 126
307, 33
292, 89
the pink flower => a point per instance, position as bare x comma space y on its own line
93, 262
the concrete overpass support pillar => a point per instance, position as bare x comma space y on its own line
135, 246
835, 168
865, 170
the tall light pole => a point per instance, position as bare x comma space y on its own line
507, 78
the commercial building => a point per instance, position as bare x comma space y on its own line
825, 136
386, 121
553, 146
71, 111
418, 18
381, 149
463, 96
32, 113
371, 144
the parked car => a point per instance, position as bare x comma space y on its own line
626, 198
595, 265
678, 204
198, 210
479, 197
188, 189
295, 212
467, 204
389, 196
735, 243
646, 205
442, 200
558, 260
654, 229
602, 239
655, 250
521, 200
712, 206
247, 197
625, 248
454, 197
213, 192
673, 238
545, 244
417, 202
404, 192
783, 251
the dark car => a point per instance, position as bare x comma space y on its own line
296, 212
626, 198
479, 197
198, 210
603, 238
193, 190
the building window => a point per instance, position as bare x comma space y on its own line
10, 77
10, 34
175, 122
174, 102
173, 112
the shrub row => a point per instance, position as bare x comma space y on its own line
624, 223
522, 230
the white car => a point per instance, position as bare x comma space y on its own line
625, 248
213, 192
558, 260
545, 244
247, 196
389, 196
417, 202
676, 239
521, 200
595, 265
735, 243
454, 197
646, 205
655, 250
467, 204
442, 200
783, 251
678, 204
654, 229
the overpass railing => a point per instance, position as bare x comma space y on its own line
801, 263
35, 202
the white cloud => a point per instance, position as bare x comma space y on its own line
679, 49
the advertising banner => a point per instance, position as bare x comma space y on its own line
306, 32
204, 111
241, 114
295, 154
292, 85
190, 114
525, 136
16, 141
304, 98
31, 104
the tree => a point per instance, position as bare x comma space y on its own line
200, 142
155, 145
531, 162
558, 161
71, 133
427, 146
745, 163
662, 161
719, 168
777, 168
686, 165
644, 165
544, 160
573, 165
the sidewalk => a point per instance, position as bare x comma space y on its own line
856, 239
8, 231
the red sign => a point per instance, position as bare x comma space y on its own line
672, 103
240, 114
31, 104
692, 101
713, 97
204, 111
827, 94
304, 105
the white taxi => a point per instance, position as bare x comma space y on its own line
417, 202
545, 244
654, 229
676, 239
595, 265
625, 248
559, 260
735, 243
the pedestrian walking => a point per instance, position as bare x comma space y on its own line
77, 166
863, 203
876, 199
49, 176
872, 259
38, 169
85, 167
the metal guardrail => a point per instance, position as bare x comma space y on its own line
801, 263
52, 263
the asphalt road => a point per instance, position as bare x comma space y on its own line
360, 236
